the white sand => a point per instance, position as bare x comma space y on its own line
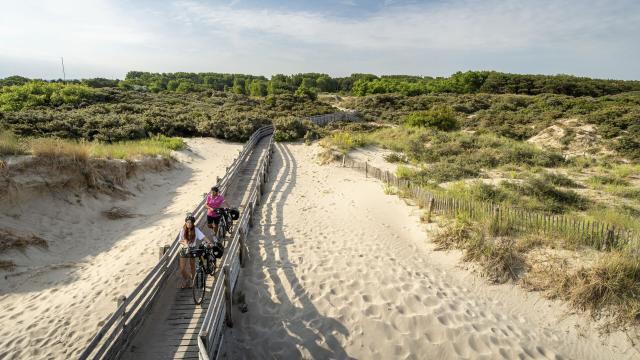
374, 155
53, 303
340, 270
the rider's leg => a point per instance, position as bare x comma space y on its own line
192, 265
184, 274
210, 223
216, 221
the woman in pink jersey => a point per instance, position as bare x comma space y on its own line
214, 201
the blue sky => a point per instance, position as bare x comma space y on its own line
107, 38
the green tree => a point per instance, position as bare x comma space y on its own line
239, 86
258, 88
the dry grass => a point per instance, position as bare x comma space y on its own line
11, 241
7, 265
80, 151
10, 144
610, 287
116, 213
499, 258
56, 148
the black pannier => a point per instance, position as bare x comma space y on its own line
234, 213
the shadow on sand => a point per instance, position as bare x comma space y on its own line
299, 329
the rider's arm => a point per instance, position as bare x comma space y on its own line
182, 240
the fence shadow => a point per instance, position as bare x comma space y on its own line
296, 320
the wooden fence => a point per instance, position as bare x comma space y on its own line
322, 120
112, 338
597, 234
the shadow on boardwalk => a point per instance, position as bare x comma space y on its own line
284, 327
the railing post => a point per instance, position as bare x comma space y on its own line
242, 251
122, 304
162, 250
227, 296
251, 215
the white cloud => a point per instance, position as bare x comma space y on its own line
456, 25
595, 37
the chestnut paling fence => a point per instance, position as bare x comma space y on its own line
325, 119
596, 234
117, 330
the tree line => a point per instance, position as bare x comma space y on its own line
310, 84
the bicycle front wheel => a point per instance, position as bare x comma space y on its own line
199, 286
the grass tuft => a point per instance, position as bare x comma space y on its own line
10, 144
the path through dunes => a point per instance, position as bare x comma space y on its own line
170, 329
338, 269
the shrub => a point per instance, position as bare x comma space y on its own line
291, 128
442, 172
559, 180
345, 141
439, 117
545, 196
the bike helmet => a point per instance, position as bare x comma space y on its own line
190, 217
215, 189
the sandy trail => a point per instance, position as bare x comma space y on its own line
338, 270
55, 300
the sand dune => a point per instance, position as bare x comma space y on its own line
340, 270
54, 301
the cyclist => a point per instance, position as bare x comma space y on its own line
189, 236
215, 200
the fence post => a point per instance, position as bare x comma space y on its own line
608, 239
343, 158
227, 296
431, 200
366, 169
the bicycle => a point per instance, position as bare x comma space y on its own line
206, 265
227, 215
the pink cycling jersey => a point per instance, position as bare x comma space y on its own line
214, 202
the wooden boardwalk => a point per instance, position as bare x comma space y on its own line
170, 330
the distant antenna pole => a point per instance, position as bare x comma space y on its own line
64, 76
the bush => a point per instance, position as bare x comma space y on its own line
559, 180
292, 128
439, 117
544, 196
38, 93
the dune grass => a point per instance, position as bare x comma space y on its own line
10, 144
53, 148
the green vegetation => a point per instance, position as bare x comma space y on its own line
438, 117
37, 93
117, 115
518, 117
493, 83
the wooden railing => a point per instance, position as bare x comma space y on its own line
597, 234
322, 120
219, 311
122, 325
